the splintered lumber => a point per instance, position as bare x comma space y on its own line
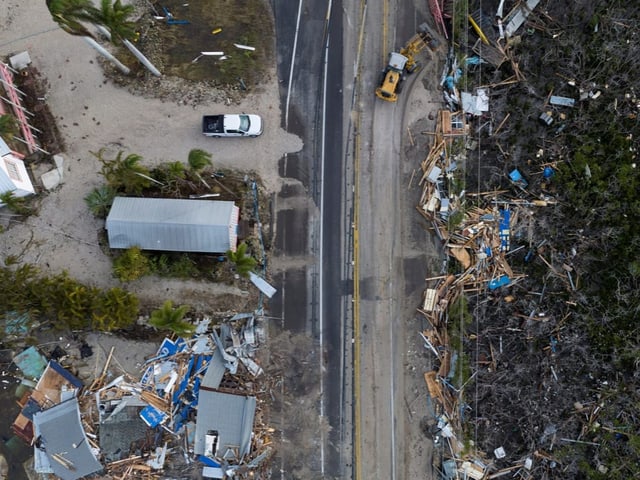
98, 382
444, 124
445, 364
506, 471
442, 289
502, 123
471, 470
431, 335
124, 461
494, 55
126, 473
430, 299
154, 400
461, 254
505, 266
435, 390
410, 137
141, 467
66, 463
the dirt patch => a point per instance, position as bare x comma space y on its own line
184, 41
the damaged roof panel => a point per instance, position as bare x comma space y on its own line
215, 371
231, 415
69, 455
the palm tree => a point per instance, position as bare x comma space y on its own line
243, 263
125, 173
15, 204
8, 126
112, 19
169, 318
199, 159
100, 200
115, 18
71, 15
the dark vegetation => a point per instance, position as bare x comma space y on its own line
63, 303
556, 355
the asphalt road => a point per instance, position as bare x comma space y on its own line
391, 261
347, 188
309, 211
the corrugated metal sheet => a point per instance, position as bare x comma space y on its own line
215, 371
69, 455
176, 225
231, 415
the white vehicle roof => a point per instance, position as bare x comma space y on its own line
397, 61
250, 124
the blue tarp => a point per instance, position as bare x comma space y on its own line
207, 461
499, 282
517, 178
547, 172
152, 416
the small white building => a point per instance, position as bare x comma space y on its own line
14, 176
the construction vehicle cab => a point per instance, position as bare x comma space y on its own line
403, 62
392, 77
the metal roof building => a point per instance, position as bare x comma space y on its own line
176, 225
231, 416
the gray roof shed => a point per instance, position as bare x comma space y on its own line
232, 416
176, 225
60, 434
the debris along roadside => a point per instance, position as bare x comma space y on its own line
516, 390
195, 405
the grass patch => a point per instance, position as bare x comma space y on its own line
243, 22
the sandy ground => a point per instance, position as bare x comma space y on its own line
92, 113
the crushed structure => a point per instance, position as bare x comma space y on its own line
195, 401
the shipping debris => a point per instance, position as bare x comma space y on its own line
195, 405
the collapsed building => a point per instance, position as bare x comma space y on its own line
194, 403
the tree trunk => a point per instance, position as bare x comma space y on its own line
102, 51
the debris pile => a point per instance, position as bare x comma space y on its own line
196, 402
503, 388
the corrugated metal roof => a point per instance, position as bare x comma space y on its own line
231, 415
177, 225
69, 455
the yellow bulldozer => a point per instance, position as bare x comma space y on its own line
404, 62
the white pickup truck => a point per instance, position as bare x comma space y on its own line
232, 125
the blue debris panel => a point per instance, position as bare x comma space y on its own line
505, 232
